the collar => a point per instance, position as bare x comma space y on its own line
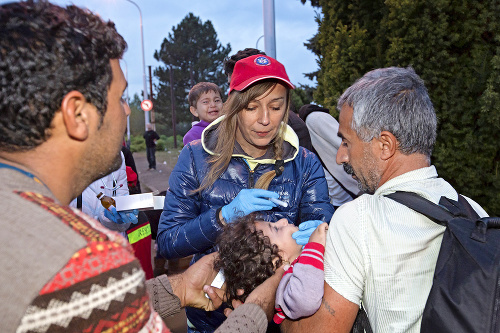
290, 144
407, 178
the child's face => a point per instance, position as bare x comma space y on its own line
280, 233
208, 106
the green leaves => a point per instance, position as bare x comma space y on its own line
194, 54
454, 46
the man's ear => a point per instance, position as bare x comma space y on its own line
75, 113
194, 111
388, 144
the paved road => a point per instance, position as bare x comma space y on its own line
156, 181
152, 180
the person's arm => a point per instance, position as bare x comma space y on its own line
323, 129
300, 291
183, 229
344, 270
258, 309
315, 203
170, 294
336, 314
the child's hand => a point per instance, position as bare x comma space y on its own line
319, 235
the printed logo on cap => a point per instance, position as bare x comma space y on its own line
262, 61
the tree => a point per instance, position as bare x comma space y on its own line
193, 53
301, 95
454, 47
136, 116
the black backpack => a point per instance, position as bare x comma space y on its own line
465, 294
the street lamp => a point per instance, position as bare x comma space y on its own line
126, 97
145, 90
269, 29
258, 40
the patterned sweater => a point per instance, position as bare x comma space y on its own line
62, 271
301, 288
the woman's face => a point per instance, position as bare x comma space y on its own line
280, 233
260, 121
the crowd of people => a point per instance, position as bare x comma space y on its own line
291, 209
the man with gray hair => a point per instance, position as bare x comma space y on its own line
380, 252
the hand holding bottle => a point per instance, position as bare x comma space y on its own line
126, 216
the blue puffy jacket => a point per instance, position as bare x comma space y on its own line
188, 224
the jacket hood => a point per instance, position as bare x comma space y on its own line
290, 144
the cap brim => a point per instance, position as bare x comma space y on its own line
245, 84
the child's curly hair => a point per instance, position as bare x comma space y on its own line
247, 257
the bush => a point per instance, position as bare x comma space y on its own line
137, 143
160, 143
170, 142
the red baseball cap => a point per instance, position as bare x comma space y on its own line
256, 68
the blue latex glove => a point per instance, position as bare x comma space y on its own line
126, 216
248, 201
305, 230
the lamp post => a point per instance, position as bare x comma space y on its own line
145, 90
126, 97
269, 30
258, 40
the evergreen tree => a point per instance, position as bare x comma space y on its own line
454, 46
301, 95
193, 53
136, 116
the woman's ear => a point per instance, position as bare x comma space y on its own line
388, 144
75, 113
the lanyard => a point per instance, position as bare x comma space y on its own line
26, 173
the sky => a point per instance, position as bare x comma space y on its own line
237, 22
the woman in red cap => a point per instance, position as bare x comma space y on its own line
248, 160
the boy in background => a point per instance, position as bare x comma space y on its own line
205, 102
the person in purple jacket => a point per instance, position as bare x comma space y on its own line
251, 250
205, 102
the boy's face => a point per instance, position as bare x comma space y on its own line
208, 107
280, 233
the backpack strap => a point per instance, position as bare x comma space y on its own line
436, 213
460, 208
79, 202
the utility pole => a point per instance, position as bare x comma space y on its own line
269, 29
145, 90
151, 94
172, 103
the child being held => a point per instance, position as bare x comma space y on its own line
250, 251
205, 102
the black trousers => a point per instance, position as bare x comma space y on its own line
150, 152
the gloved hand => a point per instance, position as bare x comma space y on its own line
305, 230
248, 201
126, 216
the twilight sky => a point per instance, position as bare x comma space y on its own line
238, 22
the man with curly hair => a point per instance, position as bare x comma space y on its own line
250, 251
62, 119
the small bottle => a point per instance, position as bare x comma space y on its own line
106, 201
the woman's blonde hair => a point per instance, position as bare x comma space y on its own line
226, 134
